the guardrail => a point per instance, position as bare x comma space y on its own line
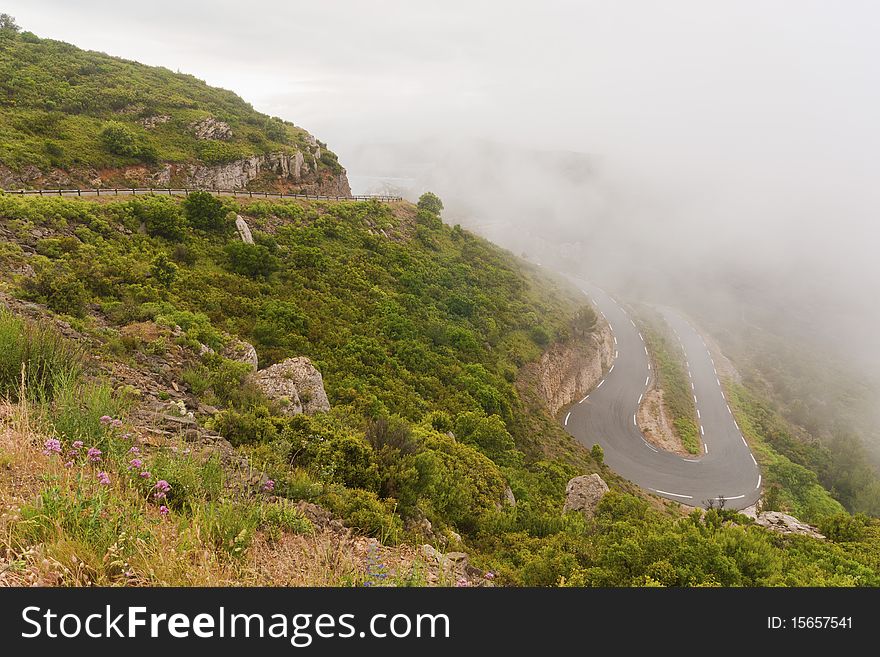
134, 191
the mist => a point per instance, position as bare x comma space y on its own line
718, 156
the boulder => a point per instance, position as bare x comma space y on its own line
241, 351
584, 493
786, 524
244, 231
297, 384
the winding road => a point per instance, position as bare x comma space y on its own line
607, 416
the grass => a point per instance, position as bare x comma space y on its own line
673, 380
34, 360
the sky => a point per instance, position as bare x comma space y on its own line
648, 140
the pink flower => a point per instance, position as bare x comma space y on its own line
52, 446
462, 582
145, 475
94, 454
490, 575
162, 487
164, 510
77, 445
106, 419
69, 464
116, 423
135, 464
135, 450
126, 436
103, 479
269, 486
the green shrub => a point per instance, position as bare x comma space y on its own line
205, 211
120, 139
431, 203
363, 510
242, 428
252, 260
58, 287
161, 216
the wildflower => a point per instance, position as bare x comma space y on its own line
52, 446
164, 510
135, 450
103, 479
135, 464
69, 464
490, 575
94, 454
461, 583
116, 423
269, 486
145, 474
106, 419
162, 487
126, 436
77, 445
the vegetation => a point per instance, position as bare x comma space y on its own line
672, 379
420, 337
62, 107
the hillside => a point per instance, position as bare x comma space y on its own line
134, 315
76, 118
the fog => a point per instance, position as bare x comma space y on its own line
722, 156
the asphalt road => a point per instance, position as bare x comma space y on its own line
725, 468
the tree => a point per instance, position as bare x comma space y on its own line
253, 260
205, 211
430, 202
8, 24
598, 454
163, 270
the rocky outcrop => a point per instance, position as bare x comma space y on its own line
211, 128
152, 121
244, 231
241, 351
584, 493
277, 172
781, 522
567, 370
296, 384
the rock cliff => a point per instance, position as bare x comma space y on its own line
567, 370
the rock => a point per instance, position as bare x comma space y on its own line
241, 351
509, 497
431, 553
584, 493
296, 382
786, 524
211, 128
244, 231
151, 122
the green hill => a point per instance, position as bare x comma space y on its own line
72, 117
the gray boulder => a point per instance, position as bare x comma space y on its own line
584, 493
296, 384
244, 231
241, 351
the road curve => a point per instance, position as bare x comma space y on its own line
607, 416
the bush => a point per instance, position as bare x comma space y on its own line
362, 510
242, 428
252, 260
161, 216
59, 288
119, 139
205, 211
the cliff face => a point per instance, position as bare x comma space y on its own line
278, 172
566, 371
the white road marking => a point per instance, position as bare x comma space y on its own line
640, 337
600, 384
615, 339
687, 364
737, 425
736, 497
717, 381
632, 322
692, 386
663, 492
649, 445
611, 370
616, 353
646, 351
698, 414
695, 399
705, 448
640, 399
584, 399
759, 481
647, 378
691, 460
702, 433
634, 420
566, 418
743, 438
649, 366
728, 409
753, 459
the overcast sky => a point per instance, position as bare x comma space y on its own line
739, 132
